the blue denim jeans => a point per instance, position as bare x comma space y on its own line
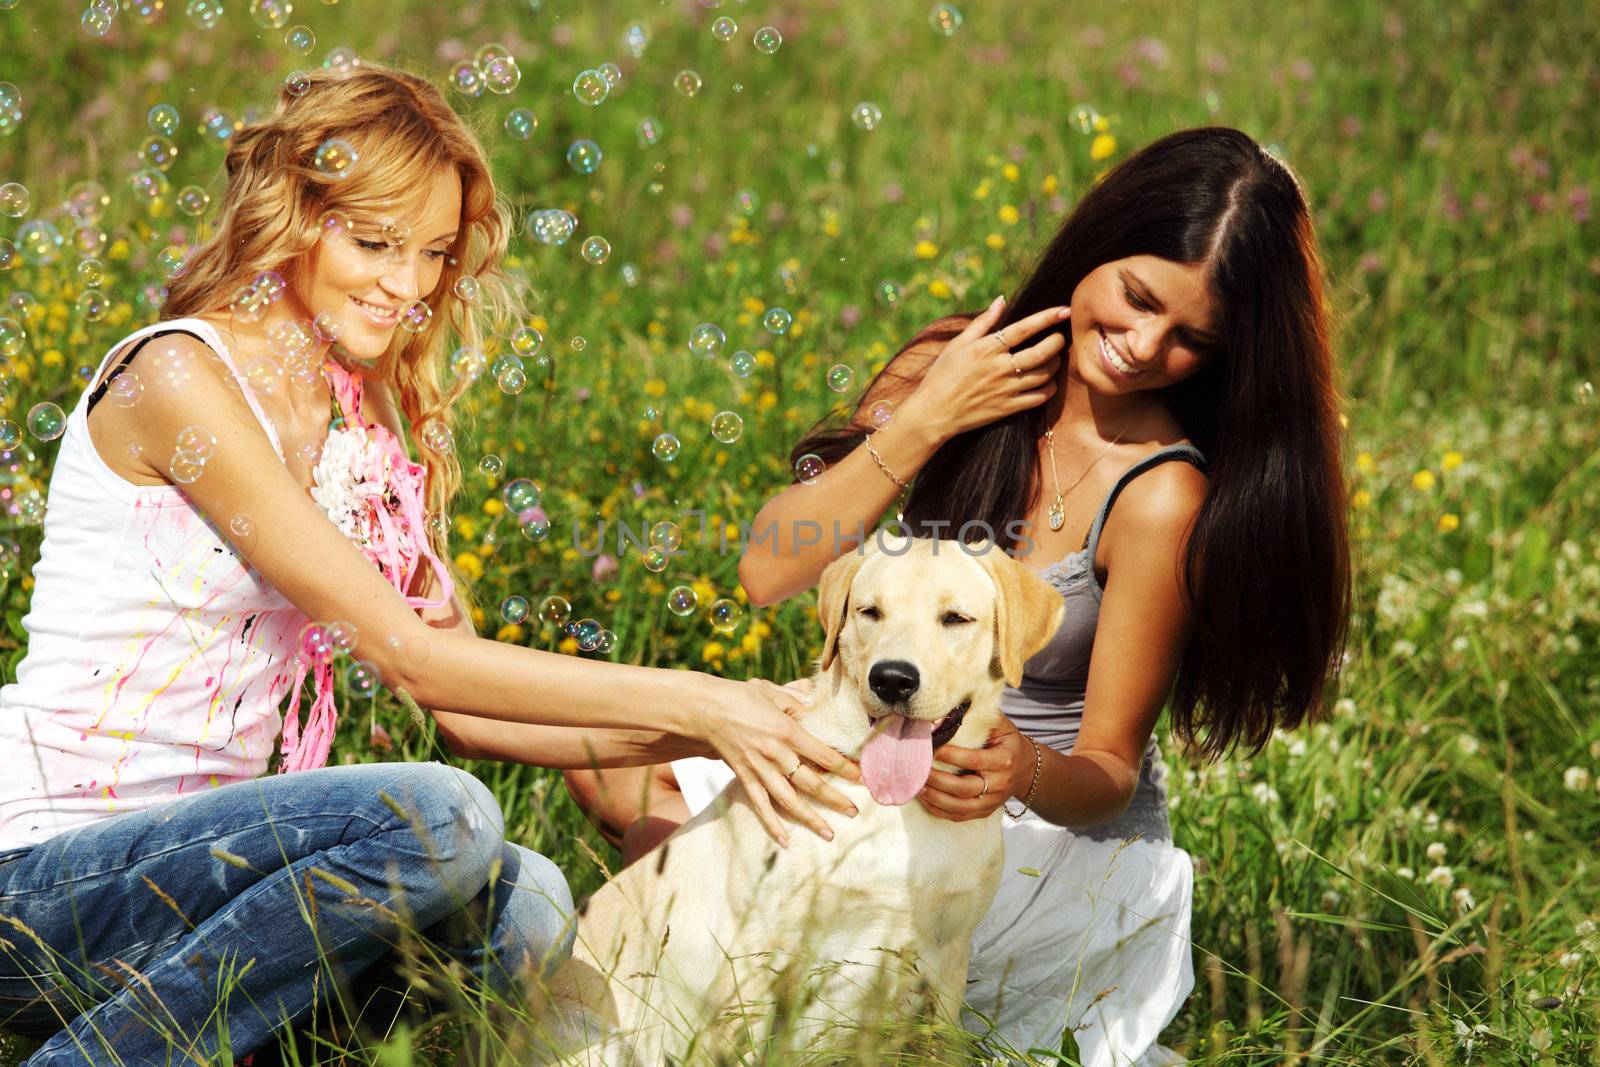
210, 921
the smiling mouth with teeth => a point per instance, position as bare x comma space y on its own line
946, 727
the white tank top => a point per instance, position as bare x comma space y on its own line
157, 659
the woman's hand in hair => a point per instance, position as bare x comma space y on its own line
979, 376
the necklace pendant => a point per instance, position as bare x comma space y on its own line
1057, 515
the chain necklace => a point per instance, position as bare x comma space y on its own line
1057, 514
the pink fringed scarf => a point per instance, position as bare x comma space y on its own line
373, 492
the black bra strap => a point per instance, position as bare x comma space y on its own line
1182, 451
105, 383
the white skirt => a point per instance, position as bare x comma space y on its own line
1094, 936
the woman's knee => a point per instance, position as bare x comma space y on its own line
457, 818
538, 922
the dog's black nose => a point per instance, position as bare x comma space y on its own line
893, 680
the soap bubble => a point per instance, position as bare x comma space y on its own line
197, 439
596, 250
172, 261
682, 600
611, 73
14, 200
655, 560
880, 413
520, 123
526, 341
40, 243
12, 336
468, 288
491, 466
1084, 117
666, 536
554, 610
193, 201
521, 495
336, 158
10, 434
724, 29
314, 644
396, 232
467, 79
841, 378
767, 40
777, 320
866, 115
706, 340
205, 13
361, 678
164, 119
587, 632
9, 256
688, 82
437, 437
945, 19
605, 641
96, 23
514, 608
635, 39
725, 615
809, 467
327, 327
271, 14
887, 293
726, 426
93, 305
509, 375
584, 157
149, 185
415, 316
590, 87
46, 421
552, 226
300, 40
579, 342
648, 132
665, 447
742, 363
501, 75
87, 202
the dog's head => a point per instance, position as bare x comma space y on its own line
924, 631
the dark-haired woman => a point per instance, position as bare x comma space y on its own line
1153, 424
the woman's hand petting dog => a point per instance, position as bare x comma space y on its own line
1001, 769
774, 757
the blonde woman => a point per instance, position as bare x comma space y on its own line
233, 502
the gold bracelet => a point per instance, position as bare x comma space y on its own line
873, 452
1038, 762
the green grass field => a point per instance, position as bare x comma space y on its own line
1413, 883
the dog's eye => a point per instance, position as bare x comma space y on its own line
954, 618
872, 612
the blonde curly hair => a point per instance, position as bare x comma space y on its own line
270, 215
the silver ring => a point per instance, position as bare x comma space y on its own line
985, 782
1001, 334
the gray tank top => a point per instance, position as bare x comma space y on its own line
1048, 705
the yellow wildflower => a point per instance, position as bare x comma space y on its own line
830, 226
477, 617
713, 650
1360, 499
493, 506
52, 358
750, 643
765, 402
466, 526
538, 322
1102, 147
1010, 172
613, 595
1050, 186
510, 632
654, 328
655, 387
1100, 124
760, 628
754, 306
982, 191
568, 646
1423, 479
926, 249
1008, 214
1451, 460
1364, 462
939, 288
995, 241
1449, 521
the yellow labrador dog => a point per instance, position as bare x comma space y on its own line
691, 950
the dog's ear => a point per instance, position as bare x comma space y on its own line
1027, 614
833, 600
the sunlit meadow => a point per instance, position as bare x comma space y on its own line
1413, 882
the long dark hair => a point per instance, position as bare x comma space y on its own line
1267, 572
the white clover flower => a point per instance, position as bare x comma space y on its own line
1584, 928
1344, 707
1331, 899
1468, 744
1463, 900
1570, 960
1264, 793
1575, 778
1403, 649
1405, 872
1460, 644
1440, 876
1436, 852
1539, 1039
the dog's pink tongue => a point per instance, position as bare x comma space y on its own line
896, 760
